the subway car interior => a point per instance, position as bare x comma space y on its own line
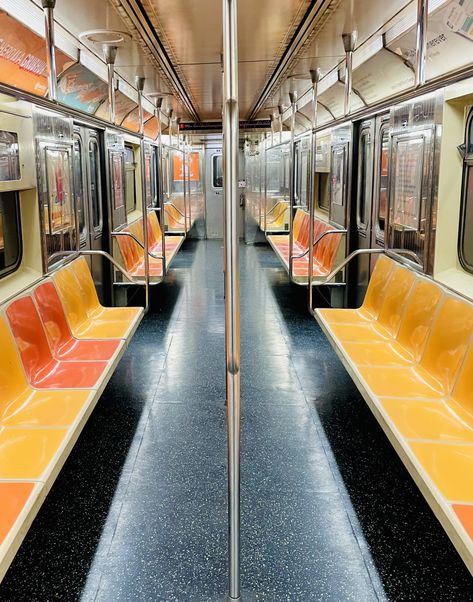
236, 300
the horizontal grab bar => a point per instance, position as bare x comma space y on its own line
138, 242
326, 233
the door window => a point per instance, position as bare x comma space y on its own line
364, 181
383, 171
217, 171
130, 185
95, 186
79, 188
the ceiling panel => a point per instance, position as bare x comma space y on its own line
191, 32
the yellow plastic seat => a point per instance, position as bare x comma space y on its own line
27, 453
94, 308
415, 325
80, 323
386, 326
373, 300
435, 375
449, 466
427, 419
461, 400
20, 405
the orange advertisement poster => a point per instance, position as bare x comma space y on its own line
190, 168
23, 57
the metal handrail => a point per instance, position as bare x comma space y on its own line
345, 262
276, 205
326, 233
277, 216
102, 254
138, 242
356, 253
176, 208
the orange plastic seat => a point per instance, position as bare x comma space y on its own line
63, 345
407, 348
13, 498
81, 325
435, 375
93, 307
386, 326
20, 405
373, 300
42, 369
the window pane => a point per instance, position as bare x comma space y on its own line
9, 157
95, 194
383, 182
217, 171
363, 181
304, 177
79, 187
10, 243
130, 190
467, 226
323, 191
408, 183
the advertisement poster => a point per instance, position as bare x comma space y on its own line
117, 180
189, 167
81, 89
23, 57
123, 106
59, 189
408, 183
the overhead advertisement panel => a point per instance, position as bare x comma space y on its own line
449, 39
23, 57
81, 89
123, 107
382, 76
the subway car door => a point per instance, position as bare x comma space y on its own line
360, 214
214, 192
88, 194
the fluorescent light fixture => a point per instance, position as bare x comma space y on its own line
409, 21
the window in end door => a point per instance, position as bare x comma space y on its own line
217, 171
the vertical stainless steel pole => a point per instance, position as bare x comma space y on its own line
232, 286
188, 149
292, 178
48, 9
271, 119
110, 54
421, 41
159, 104
315, 78
349, 43
140, 83
265, 184
280, 112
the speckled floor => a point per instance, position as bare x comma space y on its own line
139, 510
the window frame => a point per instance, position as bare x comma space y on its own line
14, 267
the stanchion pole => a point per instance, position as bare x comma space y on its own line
232, 286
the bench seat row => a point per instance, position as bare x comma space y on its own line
409, 348
133, 254
58, 348
325, 250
